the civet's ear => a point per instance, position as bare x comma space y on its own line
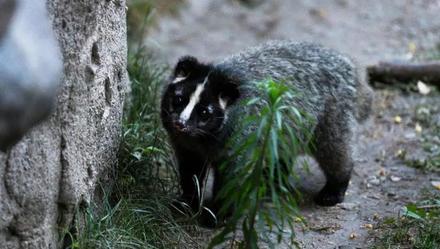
184, 67
230, 93
227, 88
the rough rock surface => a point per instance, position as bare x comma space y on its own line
56, 166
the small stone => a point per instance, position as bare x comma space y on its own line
436, 184
368, 226
395, 178
353, 236
418, 128
423, 88
375, 181
410, 135
397, 119
348, 205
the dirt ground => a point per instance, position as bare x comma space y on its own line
368, 31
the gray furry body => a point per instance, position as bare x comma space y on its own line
328, 89
320, 76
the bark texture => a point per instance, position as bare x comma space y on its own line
56, 167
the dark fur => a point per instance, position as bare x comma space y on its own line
329, 91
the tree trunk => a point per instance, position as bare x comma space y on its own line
55, 167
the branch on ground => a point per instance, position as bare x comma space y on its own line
391, 72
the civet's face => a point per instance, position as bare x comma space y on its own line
196, 100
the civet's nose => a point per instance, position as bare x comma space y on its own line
179, 125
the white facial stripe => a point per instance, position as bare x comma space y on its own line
194, 99
222, 102
178, 79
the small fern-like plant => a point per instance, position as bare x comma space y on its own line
258, 191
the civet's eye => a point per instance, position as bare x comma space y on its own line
204, 114
177, 101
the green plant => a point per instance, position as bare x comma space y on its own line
418, 226
145, 153
143, 223
260, 168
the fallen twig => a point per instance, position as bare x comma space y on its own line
390, 72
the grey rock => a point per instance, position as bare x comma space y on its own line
374, 180
55, 167
30, 68
395, 178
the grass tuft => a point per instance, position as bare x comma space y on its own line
137, 211
143, 223
145, 155
417, 227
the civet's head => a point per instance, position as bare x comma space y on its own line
196, 100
